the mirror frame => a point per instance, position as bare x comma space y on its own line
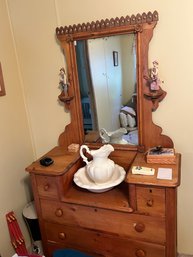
147, 100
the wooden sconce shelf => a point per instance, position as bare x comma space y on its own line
65, 99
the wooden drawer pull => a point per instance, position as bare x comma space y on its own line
150, 202
46, 187
140, 253
59, 212
62, 235
139, 227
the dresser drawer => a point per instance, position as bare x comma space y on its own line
121, 223
100, 243
47, 186
150, 200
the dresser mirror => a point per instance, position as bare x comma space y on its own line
108, 93
107, 80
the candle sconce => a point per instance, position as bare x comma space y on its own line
155, 93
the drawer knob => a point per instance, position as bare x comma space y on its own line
46, 187
62, 235
59, 212
140, 253
139, 227
150, 202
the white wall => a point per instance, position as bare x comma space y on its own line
128, 67
40, 59
106, 80
15, 140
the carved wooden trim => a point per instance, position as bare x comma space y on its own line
143, 25
108, 23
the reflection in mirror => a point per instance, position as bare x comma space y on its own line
108, 87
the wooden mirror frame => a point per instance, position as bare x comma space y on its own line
147, 100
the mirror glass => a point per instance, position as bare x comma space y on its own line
108, 88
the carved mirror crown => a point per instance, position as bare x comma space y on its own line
84, 73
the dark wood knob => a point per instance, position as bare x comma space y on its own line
140, 253
59, 212
62, 235
46, 187
139, 227
150, 202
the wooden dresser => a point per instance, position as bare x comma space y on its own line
139, 216
136, 218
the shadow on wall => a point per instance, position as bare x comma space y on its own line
28, 188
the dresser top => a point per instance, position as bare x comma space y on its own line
62, 158
140, 160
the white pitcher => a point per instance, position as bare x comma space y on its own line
101, 168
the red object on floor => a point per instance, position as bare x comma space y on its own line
17, 238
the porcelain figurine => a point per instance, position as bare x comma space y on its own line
155, 81
63, 84
114, 137
101, 168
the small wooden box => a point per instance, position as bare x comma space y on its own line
164, 156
